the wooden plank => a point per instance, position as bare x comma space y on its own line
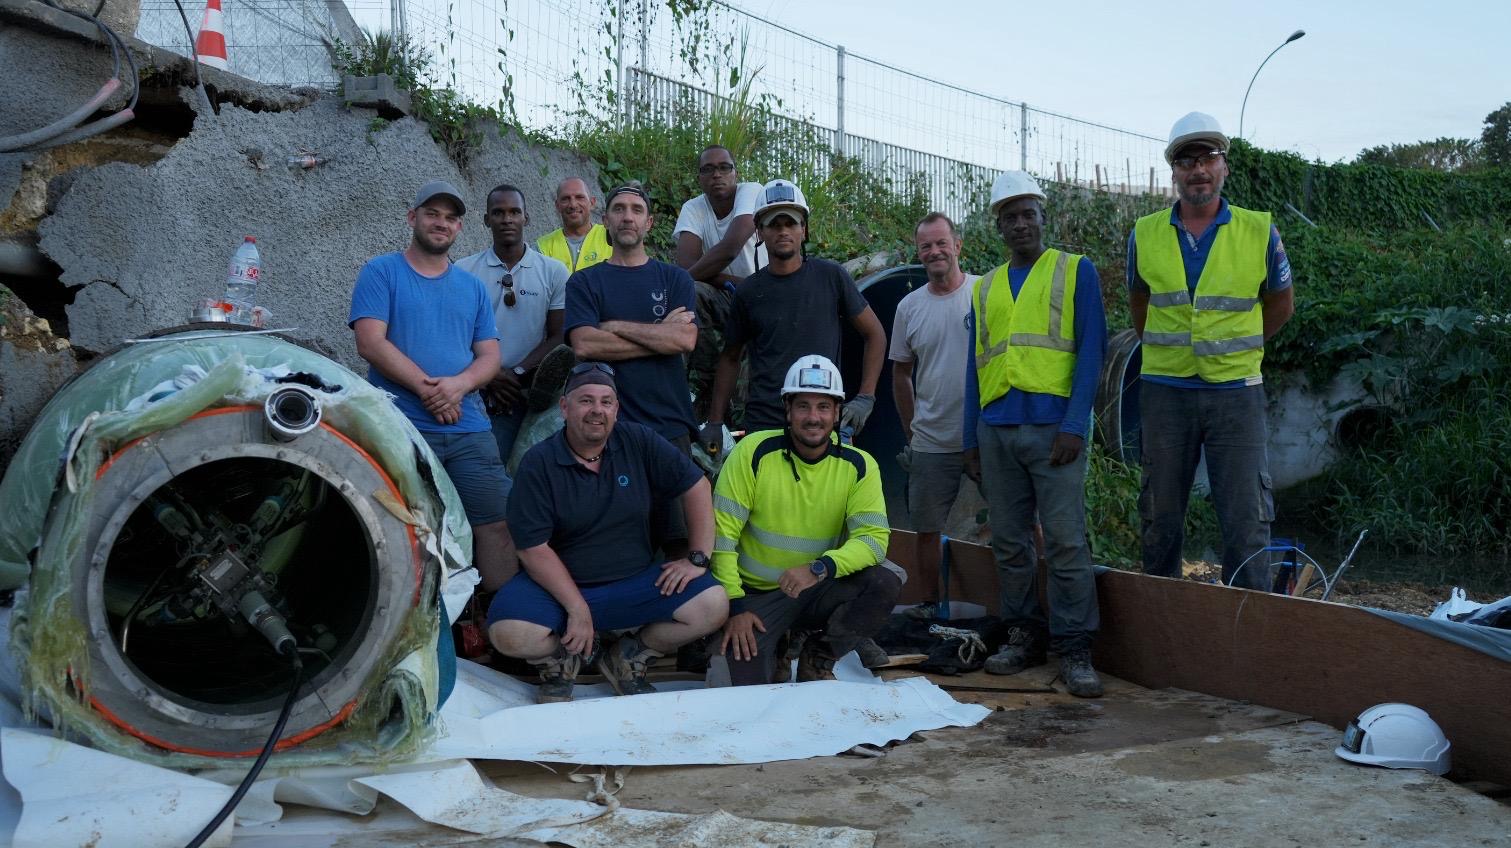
1304, 579
1326, 660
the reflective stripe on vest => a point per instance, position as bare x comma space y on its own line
1038, 353
595, 248
1218, 334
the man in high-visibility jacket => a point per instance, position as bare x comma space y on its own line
578, 243
1208, 285
800, 534
1038, 334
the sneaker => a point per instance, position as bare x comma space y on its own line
624, 664
1022, 650
550, 377
924, 612
871, 654
1080, 678
815, 662
558, 673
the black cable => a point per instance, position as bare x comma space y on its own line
193, 58
262, 758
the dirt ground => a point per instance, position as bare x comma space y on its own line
1396, 596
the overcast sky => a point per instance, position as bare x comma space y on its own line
1366, 73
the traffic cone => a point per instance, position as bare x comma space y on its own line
210, 46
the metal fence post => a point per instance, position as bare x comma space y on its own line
1023, 137
839, 119
619, 64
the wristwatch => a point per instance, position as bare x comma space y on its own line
818, 570
698, 558
519, 370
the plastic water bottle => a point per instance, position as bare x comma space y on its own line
241, 281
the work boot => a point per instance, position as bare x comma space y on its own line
1080, 678
1023, 649
781, 671
871, 654
624, 664
550, 377
558, 673
815, 662
927, 611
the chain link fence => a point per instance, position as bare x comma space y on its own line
279, 42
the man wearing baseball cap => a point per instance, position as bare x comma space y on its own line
581, 515
427, 331
1209, 284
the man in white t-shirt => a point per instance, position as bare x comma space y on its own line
528, 291
929, 349
715, 232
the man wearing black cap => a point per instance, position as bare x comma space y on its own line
427, 330
581, 515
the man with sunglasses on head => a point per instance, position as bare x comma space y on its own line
582, 509
1209, 284
529, 294
427, 330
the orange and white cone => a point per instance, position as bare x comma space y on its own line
210, 46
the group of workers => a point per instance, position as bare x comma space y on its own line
609, 541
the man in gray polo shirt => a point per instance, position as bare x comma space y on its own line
528, 291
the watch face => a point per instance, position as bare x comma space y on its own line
818, 569
698, 558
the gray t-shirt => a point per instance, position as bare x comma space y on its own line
697, 217
574, 244
929, 331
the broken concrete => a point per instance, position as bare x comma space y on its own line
34, 363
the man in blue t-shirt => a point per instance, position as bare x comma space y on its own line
641, 315
581, 516
427, 330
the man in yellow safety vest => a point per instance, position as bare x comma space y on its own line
578, 243
1038, 334
1209, 284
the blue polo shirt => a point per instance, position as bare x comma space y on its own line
598, 523
1073, 414
1193, 253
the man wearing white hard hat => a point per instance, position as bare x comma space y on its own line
794, 306
1209, 284
1038, 335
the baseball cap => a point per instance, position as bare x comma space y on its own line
439, 188
590, 374
628, 188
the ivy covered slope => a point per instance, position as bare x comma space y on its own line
1405, 284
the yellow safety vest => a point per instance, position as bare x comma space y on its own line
1220, 336
595, 248
1032, 349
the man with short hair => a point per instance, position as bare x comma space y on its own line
802, 531
1038, 335
929, 353
581, 515
529, 294
427, 331
1209, 283
792, 307
578, 242
715, 231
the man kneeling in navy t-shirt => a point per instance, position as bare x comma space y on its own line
580, 515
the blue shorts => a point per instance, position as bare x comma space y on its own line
619, 605
471, 461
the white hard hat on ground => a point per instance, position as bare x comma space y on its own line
780, 196
1011, 185
1195, 126
813, 374
1395, 736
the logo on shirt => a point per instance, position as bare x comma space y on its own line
658, 303
624, 480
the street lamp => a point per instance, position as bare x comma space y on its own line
1295, 36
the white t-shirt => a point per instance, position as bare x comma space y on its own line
929, 331
697, 217
540, 285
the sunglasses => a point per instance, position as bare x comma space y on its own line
1186, 163
508, 282
585, 367
720, 168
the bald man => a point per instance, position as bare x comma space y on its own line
578, 243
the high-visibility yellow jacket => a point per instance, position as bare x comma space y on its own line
1218, 336
774, 510
1027, 343
595, 248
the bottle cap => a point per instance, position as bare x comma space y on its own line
252, 239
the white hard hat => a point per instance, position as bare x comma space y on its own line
1196, 126
781, 196
1010, 185
813, 374
1395, 736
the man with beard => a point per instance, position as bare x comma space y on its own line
528, 292
1209, 284
802, 531
427, 330
792, 307
1038, 334
581, 514
579, 242
639, 314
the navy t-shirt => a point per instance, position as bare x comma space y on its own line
432, 320
652, 389
598, 523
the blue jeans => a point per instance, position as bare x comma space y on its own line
1228, 425
506, 427
1018, 482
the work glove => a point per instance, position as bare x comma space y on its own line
711, 437
856, 412
905, 460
